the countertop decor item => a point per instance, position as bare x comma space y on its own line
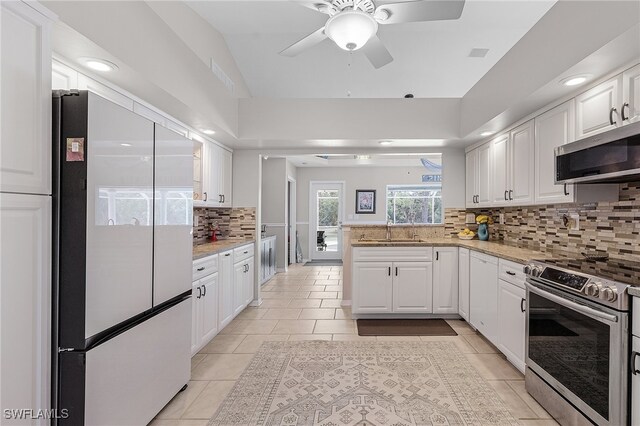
483, 222
466, 234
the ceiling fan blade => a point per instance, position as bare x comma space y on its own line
419, 11
307, 42
321, 6
377, 54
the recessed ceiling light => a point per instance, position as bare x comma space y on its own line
125, 144
208, 131
385, 143
362, 157
99, 64
487, 133
575, 80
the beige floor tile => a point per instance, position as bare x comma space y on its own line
480, 344
546, 422
323, 295
352, 338
398, 338
300, 337
251, 313
282, 287
318, 313
274, 303
343, 312
182, 422
278, 295
301, 295
494, 367
177, 406
206, 404
221, 367
308, 288
282, 313
305, 303
260, 326
223, 344
328, 281
517, 406
251, 343
518, 387
294, 327
196, 359
461, 326
335, 327
330, 303
460, 342
333, 288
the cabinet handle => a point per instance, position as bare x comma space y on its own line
510, 194
511, 273
246, 251
522, 301
634, 371
204, 290
199, 293
396, 271
205, 196
201, 268
389, 270
624, 105
224, 199
565, 190
228, 254
505, 195
611, 111
437, 255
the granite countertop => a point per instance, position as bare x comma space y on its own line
208, 249
500, 249
634, 291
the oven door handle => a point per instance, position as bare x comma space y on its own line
572, 305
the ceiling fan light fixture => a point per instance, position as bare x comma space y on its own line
351, 29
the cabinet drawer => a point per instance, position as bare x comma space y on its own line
484, 257
390, 254
511, 272
242, 253
205, 266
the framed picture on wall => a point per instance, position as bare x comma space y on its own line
365, 201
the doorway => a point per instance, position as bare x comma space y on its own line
291, 221
325, 220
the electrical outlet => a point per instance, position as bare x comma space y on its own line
196, 220
574, 222
501, 218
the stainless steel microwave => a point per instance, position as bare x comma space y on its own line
613, 156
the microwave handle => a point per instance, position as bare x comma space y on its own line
572, 305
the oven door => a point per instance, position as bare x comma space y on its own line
580, 350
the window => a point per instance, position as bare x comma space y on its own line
415, 203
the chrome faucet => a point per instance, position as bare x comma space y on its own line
388, 229
414, 234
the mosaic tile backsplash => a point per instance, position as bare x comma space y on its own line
234, 223
611, 227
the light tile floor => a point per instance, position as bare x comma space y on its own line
304, 304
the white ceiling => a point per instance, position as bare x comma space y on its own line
371, 160
430, 58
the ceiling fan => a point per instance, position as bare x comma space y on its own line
353, 24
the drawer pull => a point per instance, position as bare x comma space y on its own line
246, 251
634, 371
204, 290
522, 301
389, 270
201, 268
228, 254
513, 274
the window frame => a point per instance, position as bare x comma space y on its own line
425, 186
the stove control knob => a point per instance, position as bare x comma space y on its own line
610, 294
527, 269
536, 271
593, 289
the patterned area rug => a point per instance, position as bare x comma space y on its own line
361, 383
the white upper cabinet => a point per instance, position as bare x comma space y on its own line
630, 109
552, 129
521, 165
25, 84
471, 179
500, 170
224, 167
212, 175
598, 109
484, 175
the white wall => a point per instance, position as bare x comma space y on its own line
274, 204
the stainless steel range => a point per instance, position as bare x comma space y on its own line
577, 338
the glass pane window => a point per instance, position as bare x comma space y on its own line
420, 204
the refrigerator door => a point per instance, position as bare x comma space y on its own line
173, 217
132, 376
119, 248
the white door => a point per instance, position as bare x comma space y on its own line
173, 215
597, 109
630, 109
484, 175
500, 170
412, 287
209, 307
521, 173
471, 178
325, 220
445, 280
511, 333
553, 128
373, 288
225, 277
239, 274
463, 283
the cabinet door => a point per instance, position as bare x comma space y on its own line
25, 84
372, 287
597, 109
463, 283
239, 280
196, 317
511, 333
209, 306
630, 108
635, 381
249, 281
25, 301
521, 165
484, 175
225, 278
499, 170
412, 287
225, 171
484, 295
200, 185
554, 128
445, 280
471, 178
211, 175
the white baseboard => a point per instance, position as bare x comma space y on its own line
256, 302
345, 303
280, 270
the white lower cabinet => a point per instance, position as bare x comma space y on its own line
483, 297
374, 292
204, 325
463, 283
225, 274
445, 280
511, 333
243, 278
412, 287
